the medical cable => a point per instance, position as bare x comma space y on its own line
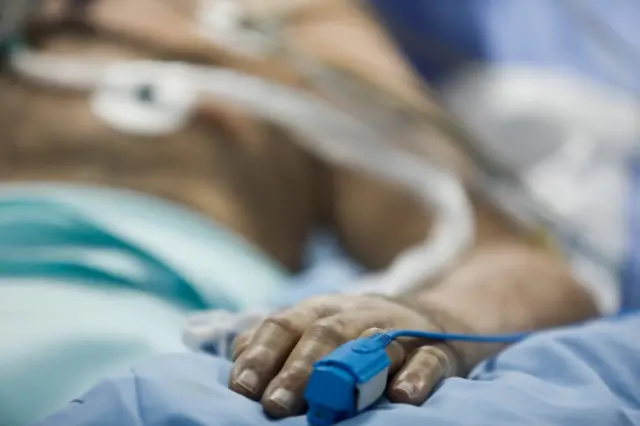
492, 177
451, 237
355, 375
343, 140
369, 365
239, 29
328, 132
453, 230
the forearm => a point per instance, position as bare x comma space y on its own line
504, 288
512, 287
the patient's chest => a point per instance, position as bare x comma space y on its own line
246, 175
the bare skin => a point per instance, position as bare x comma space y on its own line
252, 178
247, 175
494, 291
505, 284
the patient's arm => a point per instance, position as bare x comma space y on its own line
365, 211
507, 287
580, 376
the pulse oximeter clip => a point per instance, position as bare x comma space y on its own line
354, 376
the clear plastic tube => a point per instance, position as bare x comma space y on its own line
66, 73
340, 139
326, 131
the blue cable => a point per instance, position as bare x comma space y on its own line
354, 376
478, 338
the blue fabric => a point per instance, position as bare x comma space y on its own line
440, 36
631, 271
572, 377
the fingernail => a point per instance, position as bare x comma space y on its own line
283, 398
406, 389
248, 379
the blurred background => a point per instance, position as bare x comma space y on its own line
135, 194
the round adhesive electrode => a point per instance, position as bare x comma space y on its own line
145, 98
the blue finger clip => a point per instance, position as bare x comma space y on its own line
354, 376
348, 380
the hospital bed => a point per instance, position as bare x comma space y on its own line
568, 377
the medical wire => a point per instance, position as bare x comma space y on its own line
350, 379
330, 133
460, 337
355, 375
496, 174
411, 267
327, 78
500, 183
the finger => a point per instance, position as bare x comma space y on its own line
283, 397
241, 343
268, 349
423, 370
251, 324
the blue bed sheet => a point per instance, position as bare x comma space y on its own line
572, 377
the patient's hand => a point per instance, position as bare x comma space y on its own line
273, 361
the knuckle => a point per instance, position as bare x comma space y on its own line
239, 344
284, 322
293, 377
329, 329
256, 357
323, 306
299, 369
432, 357
373, 330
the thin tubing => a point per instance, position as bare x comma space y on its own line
328, 132
477, 338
